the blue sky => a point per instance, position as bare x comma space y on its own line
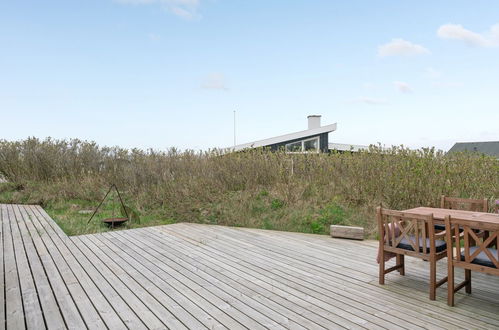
163, 73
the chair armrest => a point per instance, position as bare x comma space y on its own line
440, 234
461, 234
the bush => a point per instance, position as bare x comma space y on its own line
256, 188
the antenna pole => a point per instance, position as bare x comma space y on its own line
234, 128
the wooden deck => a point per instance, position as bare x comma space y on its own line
200, 276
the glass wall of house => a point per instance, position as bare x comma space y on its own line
306, 145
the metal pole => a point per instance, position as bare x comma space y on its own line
102, 201
121, 201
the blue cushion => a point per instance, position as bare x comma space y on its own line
481, 258
406, 245
440, 227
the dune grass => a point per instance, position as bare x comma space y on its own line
260, 189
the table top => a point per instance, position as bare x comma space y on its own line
439, 214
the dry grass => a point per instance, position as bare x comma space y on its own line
257, 188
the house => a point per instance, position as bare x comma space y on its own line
343, 147
314, 139
490, 148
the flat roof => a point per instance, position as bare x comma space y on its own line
346, 147
286, 137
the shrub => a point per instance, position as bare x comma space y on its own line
255, 188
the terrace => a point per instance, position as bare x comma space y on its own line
202, 276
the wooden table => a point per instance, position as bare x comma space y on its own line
472, 216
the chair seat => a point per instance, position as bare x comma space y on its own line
440, 245
442, 227
481, 258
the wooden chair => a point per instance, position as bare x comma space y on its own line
480, 257
464, 204
417, 238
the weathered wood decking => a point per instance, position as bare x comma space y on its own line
200, 276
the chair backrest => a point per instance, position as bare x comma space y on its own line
416, 229
465, 204
473, 252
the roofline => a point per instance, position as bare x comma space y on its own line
478, 142
286, 137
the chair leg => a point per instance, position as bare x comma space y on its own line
467, 278
382, 269
450, 284
400, 261
433, 278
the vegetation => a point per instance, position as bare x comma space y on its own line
293, 192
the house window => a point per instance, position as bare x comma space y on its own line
308, 145
311, 145
294, 147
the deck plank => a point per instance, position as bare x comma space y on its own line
51, 312
292, 287
33, 315
219, 292
286, 249
82, 309
364, 263
217, 308
331, 317
167, 289
14, 311
68, 309
98, 301
213, 277
418, 268
144, 304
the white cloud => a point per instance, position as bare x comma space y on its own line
458, 32
370, 101
401, 47
187, 9
215, 81
402, 86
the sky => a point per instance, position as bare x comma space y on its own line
170, 73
